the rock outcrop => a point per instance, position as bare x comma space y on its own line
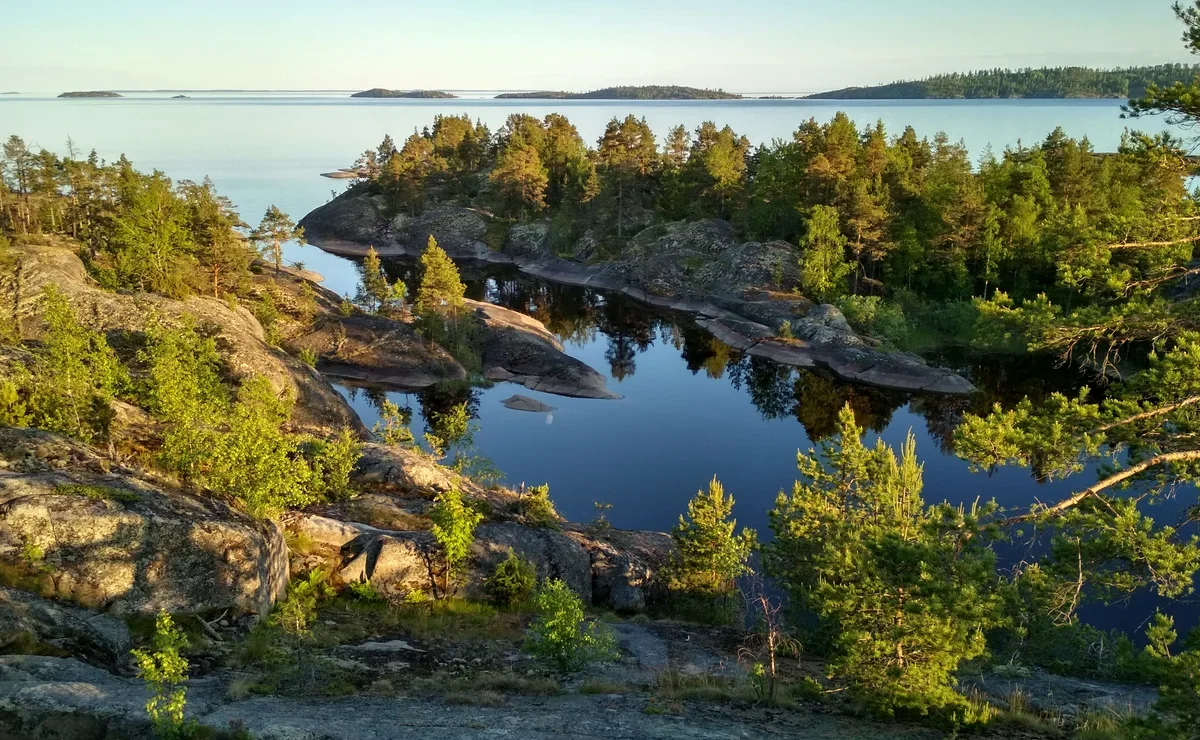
29, 621
693, 266
375, 349
239, 335
520, 349
108, 540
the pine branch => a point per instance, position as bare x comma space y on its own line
1109, 482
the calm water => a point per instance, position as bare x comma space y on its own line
690, 409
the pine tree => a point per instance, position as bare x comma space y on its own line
521, 180
710, 554
905, 591
275, 229
375, 294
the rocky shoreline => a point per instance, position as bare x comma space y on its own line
738, 306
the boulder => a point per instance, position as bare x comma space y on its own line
625, 565
398, 563
350, 216
99, 639
114, 542
238, 334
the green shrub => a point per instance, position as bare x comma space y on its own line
366, 591
298, 610
561, 635
512, 582
536, 508
332, 463
454, 529
307, 356
75, 376
165, 671
710, 554
875, 317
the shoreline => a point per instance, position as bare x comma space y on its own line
756, 339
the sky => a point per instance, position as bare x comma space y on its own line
752, 45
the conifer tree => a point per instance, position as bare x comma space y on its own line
441, 294
375, 294
711, 554
823, 265
275, 229
905, 591
521, 179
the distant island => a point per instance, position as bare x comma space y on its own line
1044, 82
90, 94
180, 97
14, 92
379, 92
645, 92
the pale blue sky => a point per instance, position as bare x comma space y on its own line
754, 45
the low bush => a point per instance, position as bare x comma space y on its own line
561, 635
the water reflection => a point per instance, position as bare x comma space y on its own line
581, 316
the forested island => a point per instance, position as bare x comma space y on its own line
1044, 82
379, 92
644, 92
90, 94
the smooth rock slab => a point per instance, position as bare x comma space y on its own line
525, 403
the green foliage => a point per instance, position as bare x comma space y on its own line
876, 317
392, 426
905, 592
561, 635
307, 356
74, 377
375, 294
366, 591
536, 508
441, 291
454, 529
710, 555
823, 268
165, 671
235, 444
512, 582
275, 229
297, 612
97, 492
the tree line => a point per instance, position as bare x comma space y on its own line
1041, 82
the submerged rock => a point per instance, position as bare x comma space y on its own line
525, 403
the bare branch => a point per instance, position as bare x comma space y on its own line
1160, 411
1109, 482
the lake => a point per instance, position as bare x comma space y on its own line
691, 409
